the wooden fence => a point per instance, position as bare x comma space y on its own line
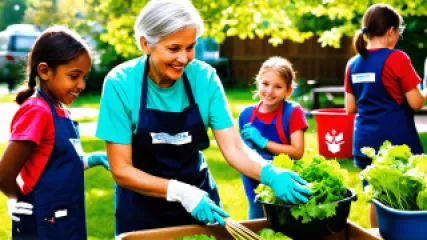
309, 59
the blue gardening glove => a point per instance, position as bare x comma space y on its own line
196, 202
95, 159
208, 212
250, 132
287, 185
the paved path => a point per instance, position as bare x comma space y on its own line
88, 129
7, 111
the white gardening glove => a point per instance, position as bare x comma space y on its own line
18, 208
196, 202
189, 196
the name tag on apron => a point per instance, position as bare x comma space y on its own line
363, 77
165, 138
78, 147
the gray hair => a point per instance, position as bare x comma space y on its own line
159, 18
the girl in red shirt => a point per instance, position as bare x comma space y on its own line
41, 170
274, 125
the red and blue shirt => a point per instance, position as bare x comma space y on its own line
33, 122
398, 75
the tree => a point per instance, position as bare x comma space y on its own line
45, 13
296, 20
11, 12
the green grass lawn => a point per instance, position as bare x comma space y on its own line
100, 192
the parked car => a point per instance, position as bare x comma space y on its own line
15, 44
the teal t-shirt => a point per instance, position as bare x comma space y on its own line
121, 98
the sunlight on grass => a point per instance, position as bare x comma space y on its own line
86, 119
7, 98
99, 184
87, 101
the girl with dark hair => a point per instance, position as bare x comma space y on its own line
41, 170
381, 87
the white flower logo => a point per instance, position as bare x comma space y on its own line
334, 141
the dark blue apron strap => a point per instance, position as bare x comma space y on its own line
144, 87
287, 111
188, 90
55, 114
52, 108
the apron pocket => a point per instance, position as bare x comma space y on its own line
62, 220
26, 229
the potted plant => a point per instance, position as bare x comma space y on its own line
398, 188
328, 207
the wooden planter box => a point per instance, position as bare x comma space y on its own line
351, 232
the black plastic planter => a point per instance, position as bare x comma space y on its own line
281, 220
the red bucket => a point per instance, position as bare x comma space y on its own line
334, 132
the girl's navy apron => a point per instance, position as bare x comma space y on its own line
276, 131
167, 145
379, 116
58, 196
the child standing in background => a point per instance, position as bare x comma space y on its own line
381, 87
274, 125
41, 169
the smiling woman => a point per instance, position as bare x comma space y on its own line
160, 107
170, 55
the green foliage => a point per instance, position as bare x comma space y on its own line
197, 237
269, 234
293, 20
330, 20
326, 182
413, 42
397, 178
11, 12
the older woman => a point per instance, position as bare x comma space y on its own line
154, 115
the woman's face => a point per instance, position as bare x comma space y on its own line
170, 56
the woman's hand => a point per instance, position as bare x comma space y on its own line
96, 159
196, 202
288, 186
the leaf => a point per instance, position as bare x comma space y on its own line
283, 161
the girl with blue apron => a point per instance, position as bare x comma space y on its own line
276, 131
183, 162
58, 196
379, 116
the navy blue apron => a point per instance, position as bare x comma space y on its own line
379, 116
167, 145
275, 131
58, 197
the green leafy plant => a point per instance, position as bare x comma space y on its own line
326, 182
270, 234
197, 237
396, 177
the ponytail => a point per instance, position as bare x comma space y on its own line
359, 44
27, 92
